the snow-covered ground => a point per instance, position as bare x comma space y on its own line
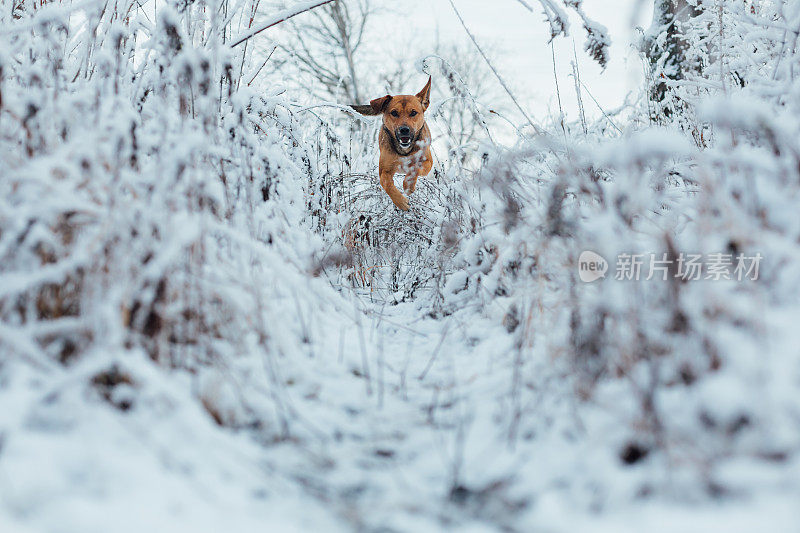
400, 424
211, 318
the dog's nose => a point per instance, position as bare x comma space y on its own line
404, 130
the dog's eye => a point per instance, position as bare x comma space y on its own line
413, 113
395, 113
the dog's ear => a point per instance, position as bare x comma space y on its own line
425, 95
364, 110
379, 104
375, 107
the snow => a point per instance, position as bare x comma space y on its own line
212, 319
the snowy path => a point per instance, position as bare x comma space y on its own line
404, 423
411, 391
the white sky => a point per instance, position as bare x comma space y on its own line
518, 39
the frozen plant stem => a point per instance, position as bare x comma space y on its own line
536, 128
281, 16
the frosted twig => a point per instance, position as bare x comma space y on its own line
497, 74
281, 16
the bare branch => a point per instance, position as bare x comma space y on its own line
497, 74
282, 16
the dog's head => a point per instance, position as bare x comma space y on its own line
403, 115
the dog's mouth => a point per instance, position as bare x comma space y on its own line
404, 139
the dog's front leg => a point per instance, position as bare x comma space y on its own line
387, 182
410, 181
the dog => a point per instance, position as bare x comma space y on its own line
404, 141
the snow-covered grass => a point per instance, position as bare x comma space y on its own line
211, 318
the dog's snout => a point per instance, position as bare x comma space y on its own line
404, 130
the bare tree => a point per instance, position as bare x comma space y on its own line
326, 46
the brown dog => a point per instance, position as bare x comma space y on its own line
404, 141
